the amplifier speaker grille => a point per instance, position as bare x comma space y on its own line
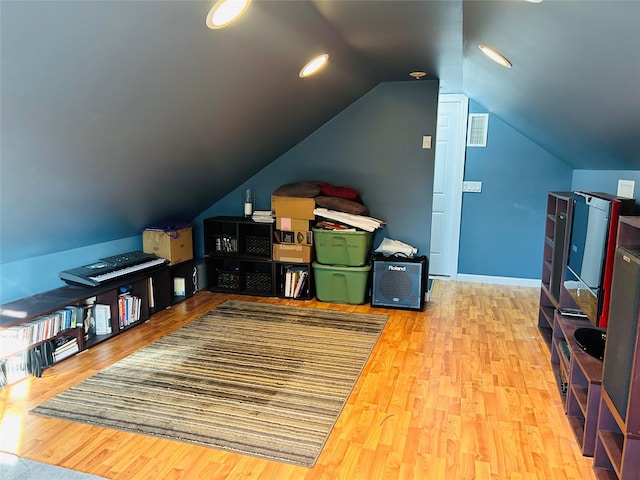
399, 283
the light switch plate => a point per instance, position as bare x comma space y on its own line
426, 141
474, 187
625, 188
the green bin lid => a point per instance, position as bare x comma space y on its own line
365, 268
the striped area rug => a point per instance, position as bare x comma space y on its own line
251, 378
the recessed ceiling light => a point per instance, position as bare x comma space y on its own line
314, 65
225, 12
418, 75
495, 56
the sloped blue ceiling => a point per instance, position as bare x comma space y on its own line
117, 115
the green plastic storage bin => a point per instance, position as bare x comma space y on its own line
336, 247
340, 284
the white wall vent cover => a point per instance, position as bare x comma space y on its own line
477, 130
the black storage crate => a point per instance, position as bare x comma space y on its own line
258, 282
228, 280
258, 246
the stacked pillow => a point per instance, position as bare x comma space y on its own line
341, 199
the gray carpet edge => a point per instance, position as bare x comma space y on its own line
13, 467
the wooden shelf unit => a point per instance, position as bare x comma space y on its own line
579, 379
617, 448
154, 288
553, 261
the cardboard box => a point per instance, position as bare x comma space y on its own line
284, 252
174, 245
294, 224
299, 238
293, 207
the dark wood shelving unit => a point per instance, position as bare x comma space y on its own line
553, 260
154, 288
617, 447
580, 380
238, 253
239, 259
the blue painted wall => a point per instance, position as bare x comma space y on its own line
374, 146
606, 181
38, 274
502, 228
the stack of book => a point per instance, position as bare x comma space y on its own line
295, 279
64, 347
129, 309
21, 336
263, 216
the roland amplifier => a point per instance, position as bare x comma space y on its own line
399, 282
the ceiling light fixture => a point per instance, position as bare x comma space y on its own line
314, 65
225, 12
495, 56
418, 75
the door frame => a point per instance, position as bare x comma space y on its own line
456, 189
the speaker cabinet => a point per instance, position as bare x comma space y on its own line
622, 330
399, 282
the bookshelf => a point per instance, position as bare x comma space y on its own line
558, 216
53, 325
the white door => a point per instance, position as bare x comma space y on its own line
447, 185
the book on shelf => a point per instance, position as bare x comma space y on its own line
64, 347
128, 309
102, 317
152, 299
20, 337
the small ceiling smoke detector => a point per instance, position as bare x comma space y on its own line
313, 65
496, 56
418, 75
225, 12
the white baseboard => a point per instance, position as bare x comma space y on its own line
518, 282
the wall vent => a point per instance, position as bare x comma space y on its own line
477, 130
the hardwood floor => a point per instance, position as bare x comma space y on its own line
463, 390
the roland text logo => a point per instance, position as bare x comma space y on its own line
397, 268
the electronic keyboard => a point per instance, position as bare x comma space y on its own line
111, 268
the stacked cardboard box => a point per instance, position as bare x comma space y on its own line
294, 222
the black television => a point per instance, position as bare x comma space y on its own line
587, 253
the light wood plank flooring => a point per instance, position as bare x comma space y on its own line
463, 390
